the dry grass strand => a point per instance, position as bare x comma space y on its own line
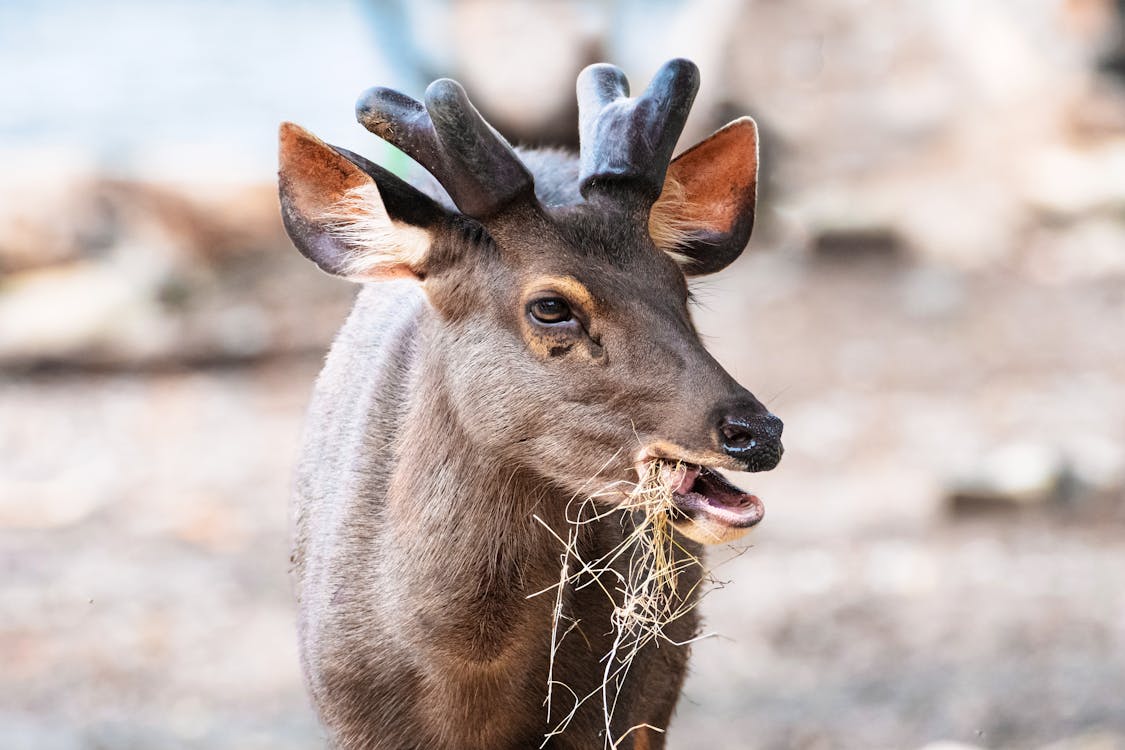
646, 597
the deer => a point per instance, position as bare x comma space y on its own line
521, 334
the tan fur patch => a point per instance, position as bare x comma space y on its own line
672, 452
541, 341
568, 286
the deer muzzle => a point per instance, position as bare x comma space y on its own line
754, 441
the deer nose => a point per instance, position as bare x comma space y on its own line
754, 440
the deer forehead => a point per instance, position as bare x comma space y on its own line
592, 252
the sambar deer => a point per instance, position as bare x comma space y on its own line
517, 341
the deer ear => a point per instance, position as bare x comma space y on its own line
705, 213
351, 217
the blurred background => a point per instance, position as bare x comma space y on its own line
933, 301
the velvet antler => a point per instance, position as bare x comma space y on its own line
447, 136
626, 144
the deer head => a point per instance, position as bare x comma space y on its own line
563, 334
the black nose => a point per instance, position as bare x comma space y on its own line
752, 439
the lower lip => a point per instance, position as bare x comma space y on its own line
748, 511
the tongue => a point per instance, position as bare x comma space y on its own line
719, 492
693, 483
679, 478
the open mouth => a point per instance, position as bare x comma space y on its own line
709, 505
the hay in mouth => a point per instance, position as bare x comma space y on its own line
640, 576
707, 507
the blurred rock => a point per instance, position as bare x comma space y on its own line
1065, 180
46, 216
1090, 741
928, 292
844, 245
1098, 463
1089, 249
80, 310
956, 127
46, 505
142, 274
1010, 477
1088, 476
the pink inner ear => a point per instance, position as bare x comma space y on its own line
719, 175
313, 175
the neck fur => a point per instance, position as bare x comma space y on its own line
471, 549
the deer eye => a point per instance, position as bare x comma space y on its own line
550, 310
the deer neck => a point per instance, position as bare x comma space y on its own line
470, 550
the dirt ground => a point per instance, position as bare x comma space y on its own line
143, 554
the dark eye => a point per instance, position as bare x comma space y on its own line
550, 310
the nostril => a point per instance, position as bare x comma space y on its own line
737, 435
744, 434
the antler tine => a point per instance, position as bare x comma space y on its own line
487, 172
476, 166
626, 144
599, 85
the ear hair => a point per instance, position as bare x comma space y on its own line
705, 212
674, 222
380, 244
349, 216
